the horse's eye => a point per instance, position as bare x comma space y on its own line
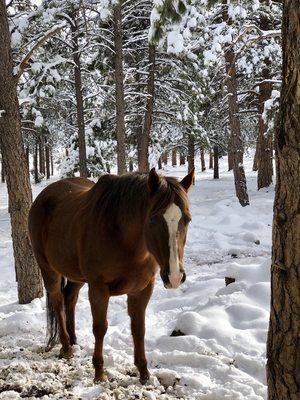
152, 220
187, 220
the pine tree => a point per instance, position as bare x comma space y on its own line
16, 170
283, 350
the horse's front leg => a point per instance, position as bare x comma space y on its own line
136, 309
99, 297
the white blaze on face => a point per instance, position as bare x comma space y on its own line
172, 217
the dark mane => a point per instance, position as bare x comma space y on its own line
122, 198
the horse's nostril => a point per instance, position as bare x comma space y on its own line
183, 277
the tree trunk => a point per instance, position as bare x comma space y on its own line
51, 163
145, 139
42, 154
119, 79
265, 156
203, 167
283, 346
130, 166
83, 170
159, 163
230, 158
35, 163
17, 174
211, 162
234, 122
174, 158
2, 171
47, 154
181, 158
165, 158
191, 152
255, 159
216, 162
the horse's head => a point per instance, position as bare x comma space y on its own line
167, 224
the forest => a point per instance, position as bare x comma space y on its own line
96, 92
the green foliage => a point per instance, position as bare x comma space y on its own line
169, 12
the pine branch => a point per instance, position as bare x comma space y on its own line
38, 44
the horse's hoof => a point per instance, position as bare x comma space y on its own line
66, 353
144, 379
100, 378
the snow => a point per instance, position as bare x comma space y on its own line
219, 350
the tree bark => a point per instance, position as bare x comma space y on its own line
35, 163
234, 121
255, 159
283, 346
17, 174
2, 172
159, 163
191, 152
47, 154
174, 158
83, 170
42, 155
119, 79
145, 139
211, 162
216, 162
230, 158
203, 167
265, 156
181, 158
165, 158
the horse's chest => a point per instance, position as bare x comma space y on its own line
134, 280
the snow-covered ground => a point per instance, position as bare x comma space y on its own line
220, 351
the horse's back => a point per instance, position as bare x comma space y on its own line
56, 193
55, 205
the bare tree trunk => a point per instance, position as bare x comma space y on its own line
27, 156
211, 162
159, 163
145, 139
83, 170
119, 78
165, 158
130, 166
35, 163
283, 346
265, 156
51, 162
17, 174
255, 159
2, 169
42, 154
191, 152
230, 157
181, 158
203, 167
47, 154
216, 161
174, 158
234, 122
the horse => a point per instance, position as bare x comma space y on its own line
114, 235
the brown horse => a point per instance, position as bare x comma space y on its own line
113, 235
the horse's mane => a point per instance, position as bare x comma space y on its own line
122, 198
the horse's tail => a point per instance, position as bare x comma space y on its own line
52, 323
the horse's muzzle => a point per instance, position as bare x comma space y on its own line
170, 283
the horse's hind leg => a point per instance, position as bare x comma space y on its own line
71, 292
55, 306
56, 302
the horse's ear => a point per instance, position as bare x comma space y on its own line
153, 181
188, 180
